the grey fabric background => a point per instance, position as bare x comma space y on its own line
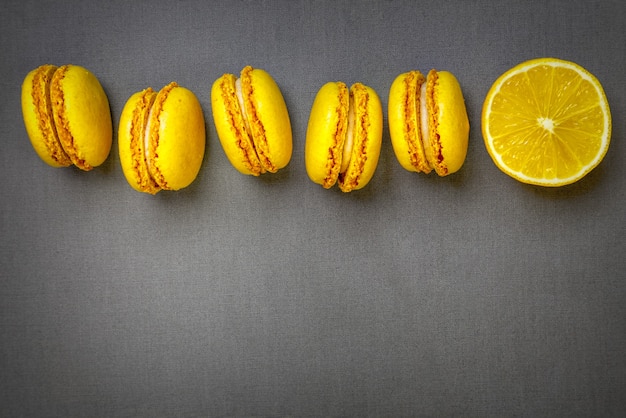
471, 295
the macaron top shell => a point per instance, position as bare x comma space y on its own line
39, 119
267, 117
131, 136
449, 124
368, 131
82, 116
177, 137
326, 133
404, 121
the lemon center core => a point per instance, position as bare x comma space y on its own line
547, 124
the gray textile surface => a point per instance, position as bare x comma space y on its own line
471, 295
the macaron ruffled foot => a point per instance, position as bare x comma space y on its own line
252, 121
162, 139
67, 116
428, 122
344, 136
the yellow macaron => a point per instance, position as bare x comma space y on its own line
428, 122
67, 116
344, 136
252, 121
162, 139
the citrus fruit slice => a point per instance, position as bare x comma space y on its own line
546, 122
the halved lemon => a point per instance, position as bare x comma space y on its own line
546, 122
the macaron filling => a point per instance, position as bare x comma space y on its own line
146, 139
242, 106
246, 120
348, 143
424, 130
